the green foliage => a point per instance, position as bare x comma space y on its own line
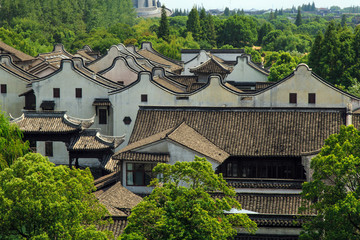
238, 31
263, 31
41, 201
227, 12
163, 31
335, 55
255, 55
11, 143
283, 66
298, 20
193, 23
334, 191
99, 40
181, 207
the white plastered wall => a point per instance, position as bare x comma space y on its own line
121, 72
68, 80
302, 83
106, 61
242, 72
10, 101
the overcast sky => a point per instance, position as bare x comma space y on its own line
257, 4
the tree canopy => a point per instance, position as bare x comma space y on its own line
181, 206
41, 201
334, 192
11, 142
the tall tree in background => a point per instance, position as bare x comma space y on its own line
211, 32
283, 66
227, 12
239, 31
163, 31
263, 31
298, 20
193, 23
315, 54
343, 20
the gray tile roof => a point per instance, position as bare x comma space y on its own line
50, 122
246, 131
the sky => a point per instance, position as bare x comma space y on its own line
256, 4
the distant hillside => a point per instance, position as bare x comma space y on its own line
76, 15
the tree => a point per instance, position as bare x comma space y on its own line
41, 201
255, 55
334, 191
315, 54
239, 31
163, 31
343, 20
263, 31
227, 12
193, 23
181, 207
11, 143
298, 20
284, 65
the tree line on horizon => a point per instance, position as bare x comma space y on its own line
34, 26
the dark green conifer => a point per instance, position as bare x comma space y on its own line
163, 31
193, 23
298, 20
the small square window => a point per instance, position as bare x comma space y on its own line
144, 98
3, 88
292, 98
312, 98
102, 116
56, 92
49, 149
78, 92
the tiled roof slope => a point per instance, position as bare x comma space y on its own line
211, 66
185, 80
142, 157
186, 136
159, 59
50, 122
20, 55
117, 227
118, 198
279, 204
91, 139
247, 131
